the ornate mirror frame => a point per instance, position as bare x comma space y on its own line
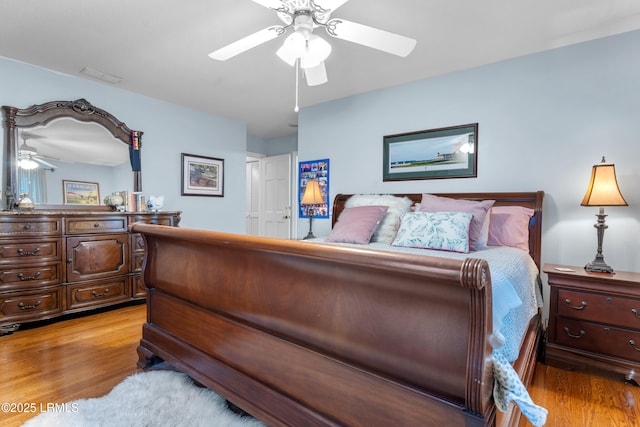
39, 115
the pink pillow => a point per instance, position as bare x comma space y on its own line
478, 209
357, 224
509, 226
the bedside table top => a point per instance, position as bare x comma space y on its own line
621, 277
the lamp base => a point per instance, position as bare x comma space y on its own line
309, 236
599, 267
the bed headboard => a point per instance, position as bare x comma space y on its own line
531, 200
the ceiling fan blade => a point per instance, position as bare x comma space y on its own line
44, 162
247, 43
330, 4
271, 4
317, 75
370, 37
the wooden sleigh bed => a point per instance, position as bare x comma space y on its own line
305, 334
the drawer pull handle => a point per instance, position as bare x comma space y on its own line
102, 294
632, 343
29, 307
25, 278
22, 252
635, 311
575, 307
96, 225
26, 227
570, 335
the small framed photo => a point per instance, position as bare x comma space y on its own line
80, 193
202, 176
450, 152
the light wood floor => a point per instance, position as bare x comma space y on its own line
87, 356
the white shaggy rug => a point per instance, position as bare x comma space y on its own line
153, 398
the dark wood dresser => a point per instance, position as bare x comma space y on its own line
594, 320
55, 263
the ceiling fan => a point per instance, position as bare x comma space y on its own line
28, 157
307, 50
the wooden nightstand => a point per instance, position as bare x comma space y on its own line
594, 320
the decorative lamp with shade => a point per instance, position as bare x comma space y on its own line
312, 197
603, 191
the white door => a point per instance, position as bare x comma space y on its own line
252, 198
275, 196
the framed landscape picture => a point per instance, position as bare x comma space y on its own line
450, 152
202, 176
80, 193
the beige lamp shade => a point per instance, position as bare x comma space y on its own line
312, 194
603, 189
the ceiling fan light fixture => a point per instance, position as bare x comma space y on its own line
309, 48
317, 50
27, 163
292, 48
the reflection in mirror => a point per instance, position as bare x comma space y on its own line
67, 149
58, 141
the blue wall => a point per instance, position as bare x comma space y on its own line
169, 130
544, 120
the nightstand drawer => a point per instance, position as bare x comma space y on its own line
599, 339
613, 310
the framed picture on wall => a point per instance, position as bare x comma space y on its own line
310, 170
80, 192
450, 152
202, 176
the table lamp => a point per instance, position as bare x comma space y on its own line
603, 191
311, 198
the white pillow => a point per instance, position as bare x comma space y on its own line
388, 227
447, 231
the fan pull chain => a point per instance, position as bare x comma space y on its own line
296, 109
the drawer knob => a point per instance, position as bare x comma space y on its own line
635, 312
570, 335
22, 252
582, 305
632, 343
96, 225
22, 306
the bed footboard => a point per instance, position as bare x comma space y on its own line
298, 333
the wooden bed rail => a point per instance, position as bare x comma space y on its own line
294, 331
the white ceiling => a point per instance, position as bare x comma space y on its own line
159, 47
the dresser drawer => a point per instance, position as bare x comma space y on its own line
595, 307
28, 277
96, 225
17, 306
103, 292
167, 220
30, 227
30, 250
599, 339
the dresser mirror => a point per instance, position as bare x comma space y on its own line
70, 141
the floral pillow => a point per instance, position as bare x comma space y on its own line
433, 203
446, 231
